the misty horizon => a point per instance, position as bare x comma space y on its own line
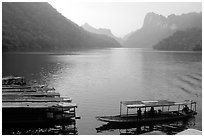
125, 17
136, 29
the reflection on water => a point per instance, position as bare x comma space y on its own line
58, 129
97, 80
168, 128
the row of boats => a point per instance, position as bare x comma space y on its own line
25, 104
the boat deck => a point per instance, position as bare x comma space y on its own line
37, 105
35, 99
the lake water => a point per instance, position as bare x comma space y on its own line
97, 80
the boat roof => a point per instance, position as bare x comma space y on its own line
38, 105
34, 99
11, 77
153, 103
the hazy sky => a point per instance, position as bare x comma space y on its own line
120, 17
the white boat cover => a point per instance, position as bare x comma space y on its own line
154, 103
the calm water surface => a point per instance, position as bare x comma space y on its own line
97, 80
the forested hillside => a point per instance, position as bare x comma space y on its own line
37, 26
188, 40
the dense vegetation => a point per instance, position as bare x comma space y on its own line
33, 26
188, 40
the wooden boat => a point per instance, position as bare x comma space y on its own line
30, 94
16, 89
170, 127
13, 84
37, 112
12, 81
152, 111
35, 99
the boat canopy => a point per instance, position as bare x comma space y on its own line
13, 80
153, 103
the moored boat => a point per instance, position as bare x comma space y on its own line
15, 89
170, 127
37, 112
141, 112
12, 81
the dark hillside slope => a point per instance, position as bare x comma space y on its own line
188, 40
37, 26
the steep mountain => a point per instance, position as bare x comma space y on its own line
186, 40
102, 31
157, 27
37, 26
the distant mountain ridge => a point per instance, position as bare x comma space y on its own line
102, 31
37, 26
157, 27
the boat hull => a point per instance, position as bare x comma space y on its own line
135, 119
34, 116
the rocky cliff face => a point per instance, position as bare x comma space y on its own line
37, 26
154, 20
157, 27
